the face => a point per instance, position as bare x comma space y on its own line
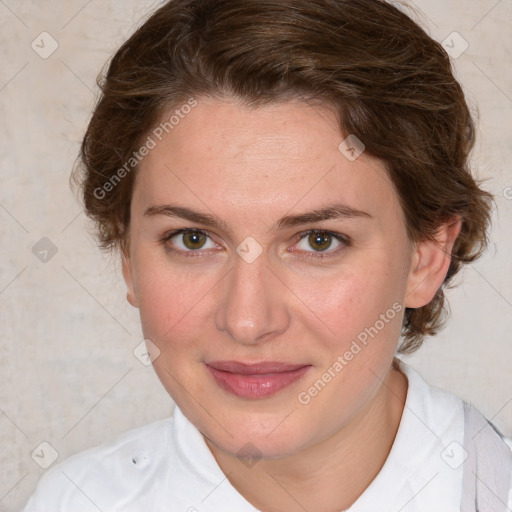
260, 256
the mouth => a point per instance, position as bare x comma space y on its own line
255, 380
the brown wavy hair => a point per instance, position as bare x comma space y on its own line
388, 81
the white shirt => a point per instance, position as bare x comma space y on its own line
167, 466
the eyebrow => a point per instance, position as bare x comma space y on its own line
330, 212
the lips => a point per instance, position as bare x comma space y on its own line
255, 380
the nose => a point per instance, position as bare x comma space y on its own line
253, 309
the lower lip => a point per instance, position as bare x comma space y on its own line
256, 386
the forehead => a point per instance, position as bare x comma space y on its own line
282, 155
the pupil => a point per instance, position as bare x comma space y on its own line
194, 240
320, 241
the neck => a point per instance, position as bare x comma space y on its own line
332, 474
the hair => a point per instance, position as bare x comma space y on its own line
388, 81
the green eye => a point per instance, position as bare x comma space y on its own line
194, 240
190, 240
321, 241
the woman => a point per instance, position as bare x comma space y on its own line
287, 186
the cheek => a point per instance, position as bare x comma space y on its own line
364, 313
178, 303
354, 297
173, 311
172, 303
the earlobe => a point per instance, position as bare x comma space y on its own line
126, 266
430, 264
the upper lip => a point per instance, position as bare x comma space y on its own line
255, 368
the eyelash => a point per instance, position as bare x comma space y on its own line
343, 239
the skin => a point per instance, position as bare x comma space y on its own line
250, 167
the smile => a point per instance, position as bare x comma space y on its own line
259, 380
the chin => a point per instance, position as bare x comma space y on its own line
259, 447
277, 439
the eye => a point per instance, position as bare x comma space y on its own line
188, 240
316, 241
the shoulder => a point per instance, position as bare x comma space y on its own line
488, 462
471, 442
437, 403
97, 478
439, 409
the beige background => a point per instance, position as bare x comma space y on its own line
68, 374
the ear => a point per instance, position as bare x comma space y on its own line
430, 263
126, 264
